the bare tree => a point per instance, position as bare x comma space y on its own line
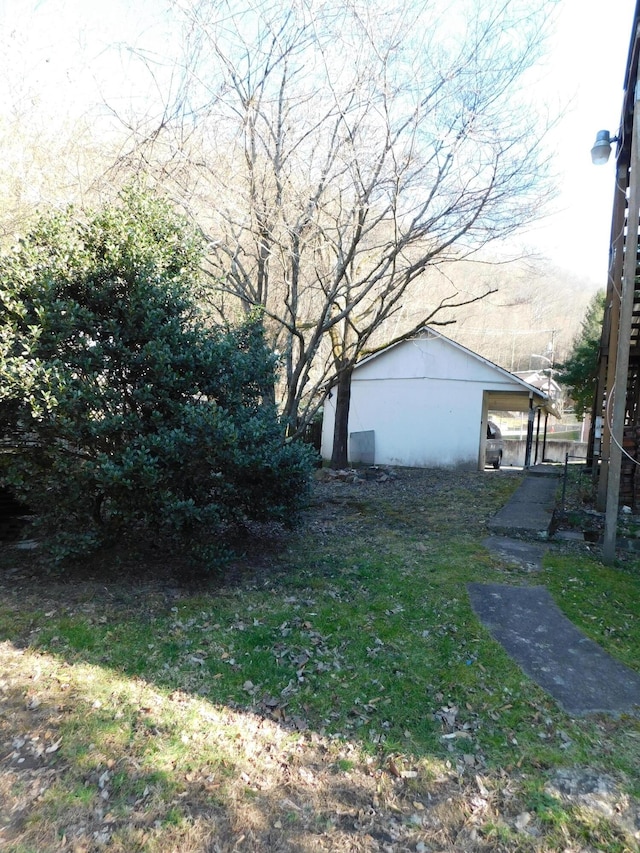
332, 153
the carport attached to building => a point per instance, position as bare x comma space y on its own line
424, 402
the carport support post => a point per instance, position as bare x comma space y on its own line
544, 436
483, 432
527, 453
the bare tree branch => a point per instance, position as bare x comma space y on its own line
332, 154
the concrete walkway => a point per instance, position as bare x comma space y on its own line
529, 512
580, 676
526, 621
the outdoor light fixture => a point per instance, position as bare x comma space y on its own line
602, 148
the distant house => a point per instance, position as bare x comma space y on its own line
544, 382
424, 403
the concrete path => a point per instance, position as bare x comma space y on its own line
517, 552
529, 512
529, 625
580, 675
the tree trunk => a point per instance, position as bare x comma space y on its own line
341, 424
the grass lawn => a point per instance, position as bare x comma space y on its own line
331, 690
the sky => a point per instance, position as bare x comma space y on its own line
55, 50
586, 65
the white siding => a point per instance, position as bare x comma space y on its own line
424, 400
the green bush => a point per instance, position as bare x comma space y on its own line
125, 411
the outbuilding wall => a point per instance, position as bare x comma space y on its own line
423, 399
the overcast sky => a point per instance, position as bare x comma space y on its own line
56, 50
586, 64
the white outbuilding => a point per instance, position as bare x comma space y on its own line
424, 403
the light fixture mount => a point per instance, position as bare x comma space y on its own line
602, 147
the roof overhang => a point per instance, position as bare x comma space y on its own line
520, 401
523, 396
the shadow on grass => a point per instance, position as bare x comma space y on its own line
330, 691
92, 758
127, 721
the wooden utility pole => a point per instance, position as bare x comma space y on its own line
609, 345
617, 395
